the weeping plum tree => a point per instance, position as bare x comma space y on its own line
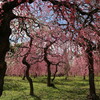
6, 15
78, 22
26, 74
89, 52
43, 47
47, 44
28, 65
48, 64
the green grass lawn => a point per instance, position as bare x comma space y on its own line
72, 89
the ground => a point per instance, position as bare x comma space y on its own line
75, 88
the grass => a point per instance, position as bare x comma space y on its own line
72, 89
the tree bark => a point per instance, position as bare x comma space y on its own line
5, 32
27, 75
55, 73
48, 66
49, 75
2, 74
4, 47
84, 78
92, 90
30, 82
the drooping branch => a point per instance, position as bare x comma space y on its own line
12, 4
25, 62
73, 5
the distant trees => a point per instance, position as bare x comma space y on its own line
48, 50
49, 44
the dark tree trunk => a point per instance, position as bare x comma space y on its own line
55, 74
84, 78
27, 75
49, 75
23, 78
84, 75
4, 47
5, 32
49, 81
49, 84
30, 82
2, 74
89, 51
92, 90
66, 77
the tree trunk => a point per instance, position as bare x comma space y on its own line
2, 74
84, 78
27, 75
55, 74
92, 95
30, 82
4, 47
23, 78
5, 32
66, 77
49, 75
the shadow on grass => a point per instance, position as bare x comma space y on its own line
36, 97
26, 97
14, 86
78, 94
75, 91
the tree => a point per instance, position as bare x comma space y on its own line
80, 24
5, 17
46, 44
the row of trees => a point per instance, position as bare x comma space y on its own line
73, 22
51, 50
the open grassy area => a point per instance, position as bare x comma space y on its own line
75, 88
